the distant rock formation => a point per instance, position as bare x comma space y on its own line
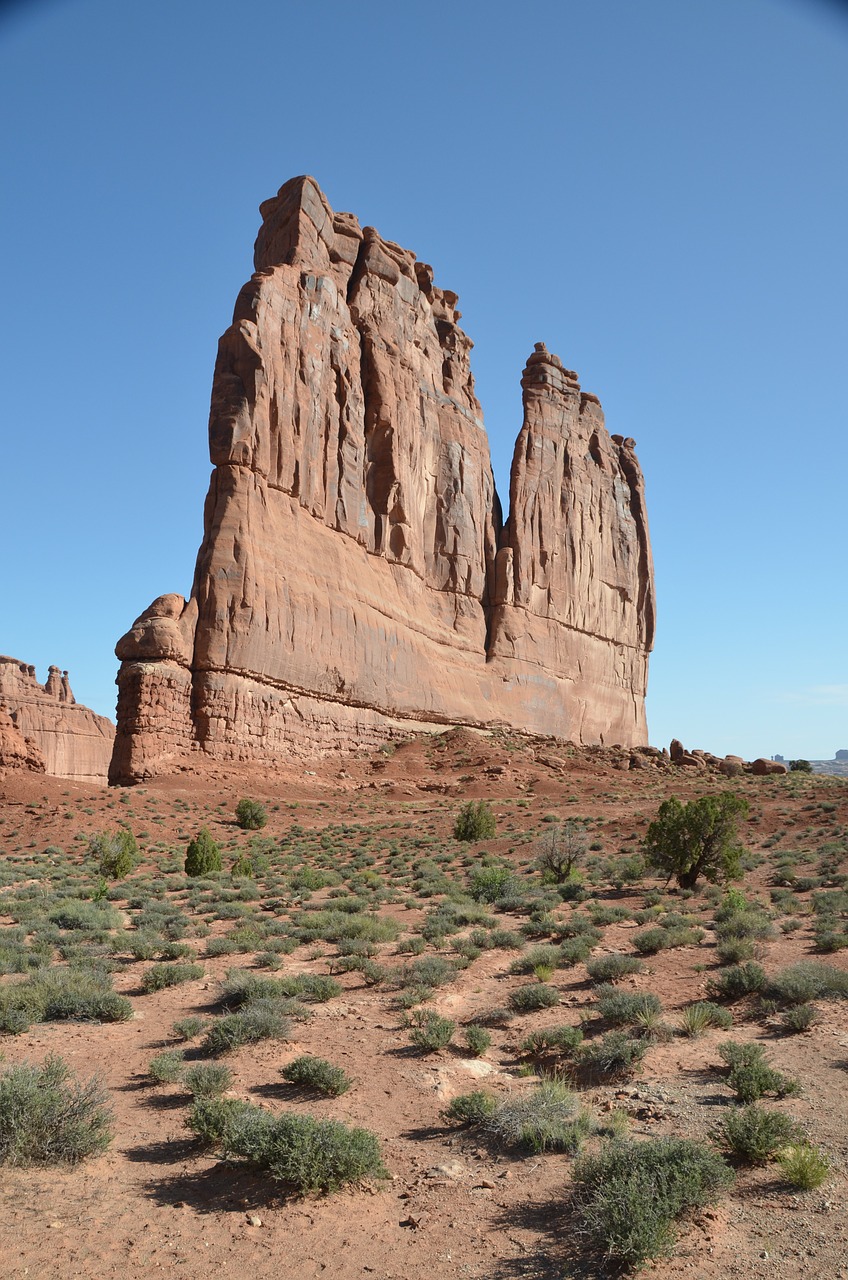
355, 580
43, 727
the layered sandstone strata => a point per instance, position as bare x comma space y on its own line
62, 737
354, 578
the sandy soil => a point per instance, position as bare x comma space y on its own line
157, 1201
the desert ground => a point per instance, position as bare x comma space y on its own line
371, 838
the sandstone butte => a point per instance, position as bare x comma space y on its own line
44, 728
355, 578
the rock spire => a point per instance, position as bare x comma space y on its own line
354, 580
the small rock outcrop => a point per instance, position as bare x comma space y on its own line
43, 727
355, 579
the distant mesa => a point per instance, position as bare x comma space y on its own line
841, 756
356, 579
44, 728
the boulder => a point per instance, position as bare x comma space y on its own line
762, 767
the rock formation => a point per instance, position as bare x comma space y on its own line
45, 728
354, 579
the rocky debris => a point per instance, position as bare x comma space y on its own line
354, 579
50, 731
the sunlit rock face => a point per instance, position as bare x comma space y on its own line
43, 727
355, 579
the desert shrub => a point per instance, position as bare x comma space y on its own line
262, 1019
475, 821
48, 1116
116, 853
506, 940
241, 987
737, 981
537, 995
251, 815
703, 1014
615, 1056
612, 967
207, 1079
630, 1194
561, 1039
308, 1072
477, 1039
697, 839
159, 976
800, 766
751, 922
755, 1134
61, 994
470, 1108
803, 1167
212, 1118
798, 1018
428, 971
807, 980
574, 951
546, 955
624, 1008
735, 1054
547, 1118
735, 951
430, 1031
560, 848
755, 1079
91, 917
306, 1154
601, 914
203, 856
167, 1067
491, 884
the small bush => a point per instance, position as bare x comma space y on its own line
630, 1194
203, 857
753, 1080
167, 1067
475, 821
431, 1031
48, 1116
574, 951
803, 1167
800, 766
159, 976
546, 956
737, 981
241, 987
800, 1017
536, 996
807, 980
560, 848
470, 1108
208, 1079
116, 853
251, 815
263, 1019
307, 1154
754, 1134
562, 1039
491, 884
624, 1008
615, 1056
699, 1017
611, 968
317, 1074
477, 1039
61, 994
188, 1028
547, 1118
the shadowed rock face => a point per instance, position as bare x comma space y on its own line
43, 727
354, 580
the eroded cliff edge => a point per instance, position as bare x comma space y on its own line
43, 727
355, 579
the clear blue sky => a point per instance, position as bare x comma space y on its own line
658, 189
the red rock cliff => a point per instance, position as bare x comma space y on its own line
61, 737
353, 579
